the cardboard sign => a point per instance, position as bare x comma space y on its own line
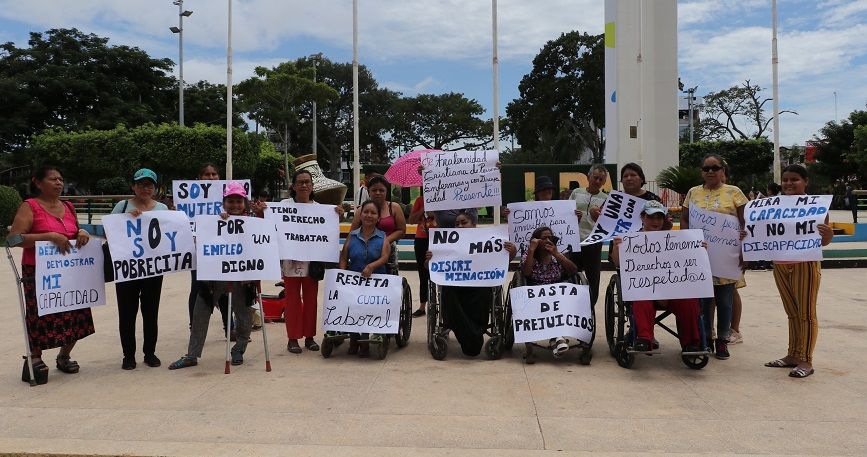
558, 215
68, 282
723, 236
468, 257
203, 197
153, 244
665, 265
785, 228
621, 213
461, 179
357, 304
306, 231
552, 311
236, 249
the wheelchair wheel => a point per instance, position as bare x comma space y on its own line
624, 358
509, 329
405, 327
696, 362
612, 314
494, 348
586, 356
327, 347
382, 348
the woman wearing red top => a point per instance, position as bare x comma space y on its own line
421, 244
46, 218
391, 221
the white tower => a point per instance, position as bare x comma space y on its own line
641, 84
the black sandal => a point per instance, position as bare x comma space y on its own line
40, 372
311, 345
292, 346
66, 365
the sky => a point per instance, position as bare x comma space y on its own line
440, 46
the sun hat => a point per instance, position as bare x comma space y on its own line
544, 183
654, 207
235, 188
144, 173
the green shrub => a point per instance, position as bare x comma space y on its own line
9, 203
679, 179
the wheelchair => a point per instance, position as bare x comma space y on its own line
620, 333
529, 357
496, 330
379, 347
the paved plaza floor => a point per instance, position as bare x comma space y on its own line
410, 404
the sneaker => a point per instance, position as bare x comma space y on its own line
128, 363
237, 357
152, 360
184, 362
722, 350
735, 337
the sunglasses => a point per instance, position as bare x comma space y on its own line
712, 168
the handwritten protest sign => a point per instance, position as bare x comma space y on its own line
665, 265
723, 235
552, 311
469, 257
236, 249
153, 244
306, 231
195, 198
68, 282
621, 213
784, 228
558, 215
461, 179
357, 304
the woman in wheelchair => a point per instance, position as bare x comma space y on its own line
686, 311
544, 264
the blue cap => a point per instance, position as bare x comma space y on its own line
654, 207
144, 173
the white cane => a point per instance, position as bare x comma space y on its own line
228, 333
264, 332
18, 284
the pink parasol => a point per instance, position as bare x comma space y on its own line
404, 171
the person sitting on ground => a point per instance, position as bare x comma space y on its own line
543, 263
685, 310
235, 203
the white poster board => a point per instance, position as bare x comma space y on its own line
621, 213
785, 228
469, 257
552, 311
71, 281
665, 265
153, 244
202, 197
236, 249
558, 215
357, 304
461, 179
305, 231
723, 236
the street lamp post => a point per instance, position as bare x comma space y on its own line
182, 13
315, 141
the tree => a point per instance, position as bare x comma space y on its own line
561, 108
447, 121
840, 153
736, 113
749, 161
71, 80
274, 96
205, 103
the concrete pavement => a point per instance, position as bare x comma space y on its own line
412, 404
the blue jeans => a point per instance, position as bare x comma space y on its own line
724, 296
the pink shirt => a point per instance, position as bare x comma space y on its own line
45, 222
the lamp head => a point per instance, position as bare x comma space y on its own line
175, 29
187, 13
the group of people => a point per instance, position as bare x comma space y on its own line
371, 247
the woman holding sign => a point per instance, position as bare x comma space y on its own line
365, 251
300, 287
46, 218
715, 195
144, 293
798, 283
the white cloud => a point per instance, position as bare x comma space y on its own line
424, 85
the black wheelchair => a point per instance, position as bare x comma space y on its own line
620, 332
379, 345
529, 357
496, 330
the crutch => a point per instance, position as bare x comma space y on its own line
229, 332
18, 283
264, 329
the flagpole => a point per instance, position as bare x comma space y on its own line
229, 98
356, 164
776, 93
496, 110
